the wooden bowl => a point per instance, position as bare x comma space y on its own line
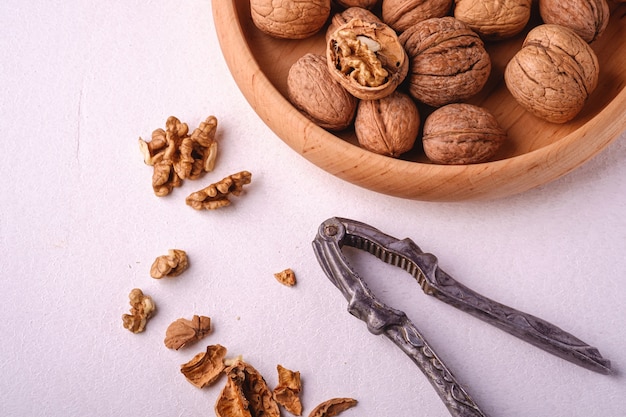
535, 153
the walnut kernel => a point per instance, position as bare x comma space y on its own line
286, 277
170, 265
366, 58
387, 126
142, 308
553, 74
287, 392
183, 332
204, 368
461, 134
449, 62
216, 195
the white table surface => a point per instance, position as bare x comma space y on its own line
80, 227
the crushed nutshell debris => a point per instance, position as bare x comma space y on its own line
286, 277
333, 407
287, 392
170, 265
142, 308
206, 367
217, 195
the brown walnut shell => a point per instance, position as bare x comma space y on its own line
295, 19
588, 18
402, 14
461, 134
366, 58
449, 62
366, 4
313, 90
553, 74
387, 126
494, 19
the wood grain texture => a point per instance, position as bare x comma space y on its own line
536, 152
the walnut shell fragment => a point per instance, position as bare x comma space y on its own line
449, 62
142, 308
461, 134
366, 58
217, 195
387, 126
297, 19
183, 332
286, 277
553, 74
246, 394
171, 265
287, 392
313, 90
587, 18
340, 19
204, 368
333, 407
494, 19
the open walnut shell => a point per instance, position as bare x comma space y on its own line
340, 19
366, 58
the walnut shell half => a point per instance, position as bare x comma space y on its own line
366, 58
449, 62
553, 74
313, 90
295, 19
461, 134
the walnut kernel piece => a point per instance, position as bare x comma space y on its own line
216, 195
366, 58
587, 18
296, 19
494, 19
246, 394
287, 392
170, 265
449, 62
183, 332
387, 126
142, 308
553, 74
312, 89
333, 407
286, 277
204, 368
461, 134
402, 14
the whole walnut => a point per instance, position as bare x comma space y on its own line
461, 133
553, 74
318, 95
494, 19
402, 14
588, 18
449, 62
366, 58
290, 19
387, 126
366, 4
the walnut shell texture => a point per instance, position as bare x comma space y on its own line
461, 134
366, 4
294, 19
366, 58
494, 19
402, 14
387, 126
553, 74
449, 62
588, 18
313, 90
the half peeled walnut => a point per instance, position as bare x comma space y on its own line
366, 58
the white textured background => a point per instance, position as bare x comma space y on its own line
80, 81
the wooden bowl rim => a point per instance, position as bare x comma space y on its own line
401, 178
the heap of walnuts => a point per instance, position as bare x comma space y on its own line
386, 60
